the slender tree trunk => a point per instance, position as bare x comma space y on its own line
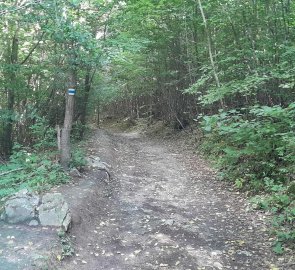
65, 155
187, 44
8, 130
210, 49
87, 87
98, 114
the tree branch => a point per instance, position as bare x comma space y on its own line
8, 172
33, 49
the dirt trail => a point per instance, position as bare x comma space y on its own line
161, 210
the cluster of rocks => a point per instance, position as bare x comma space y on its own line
51, 209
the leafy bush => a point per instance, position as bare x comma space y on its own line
30, 169
255, 148
79, 131
255, 145
43, 135
36, 167
78, 158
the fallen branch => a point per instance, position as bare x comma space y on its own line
8, 172
180, 123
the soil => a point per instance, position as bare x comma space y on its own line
161, 208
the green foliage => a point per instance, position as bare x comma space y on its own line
66, 245
78, 158
30, 169
254, 145
256, 150
43, 136
281, 204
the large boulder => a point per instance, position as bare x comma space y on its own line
54, 211
21, 207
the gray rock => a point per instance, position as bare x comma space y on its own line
169, 222
74, 173
244, 252
21, 207
96, 163
33, 223
92, 160
54, 211
218, 265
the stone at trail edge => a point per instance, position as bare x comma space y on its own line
74, 172
96, 163
33, 223
169, 222
54, 211
21, 207
218, 265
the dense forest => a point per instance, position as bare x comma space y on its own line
225, 67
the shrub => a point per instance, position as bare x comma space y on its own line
78, 158
30, 169
255, 149
253, 145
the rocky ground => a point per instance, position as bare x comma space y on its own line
161, 209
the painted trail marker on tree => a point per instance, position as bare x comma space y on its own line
71, 92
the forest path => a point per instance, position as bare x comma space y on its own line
162, 210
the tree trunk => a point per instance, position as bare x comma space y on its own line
98, 114
210, 49
65, 155
8, 130
87, 87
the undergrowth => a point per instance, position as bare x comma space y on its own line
67, 249
28, 168
255, 149
36, 167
